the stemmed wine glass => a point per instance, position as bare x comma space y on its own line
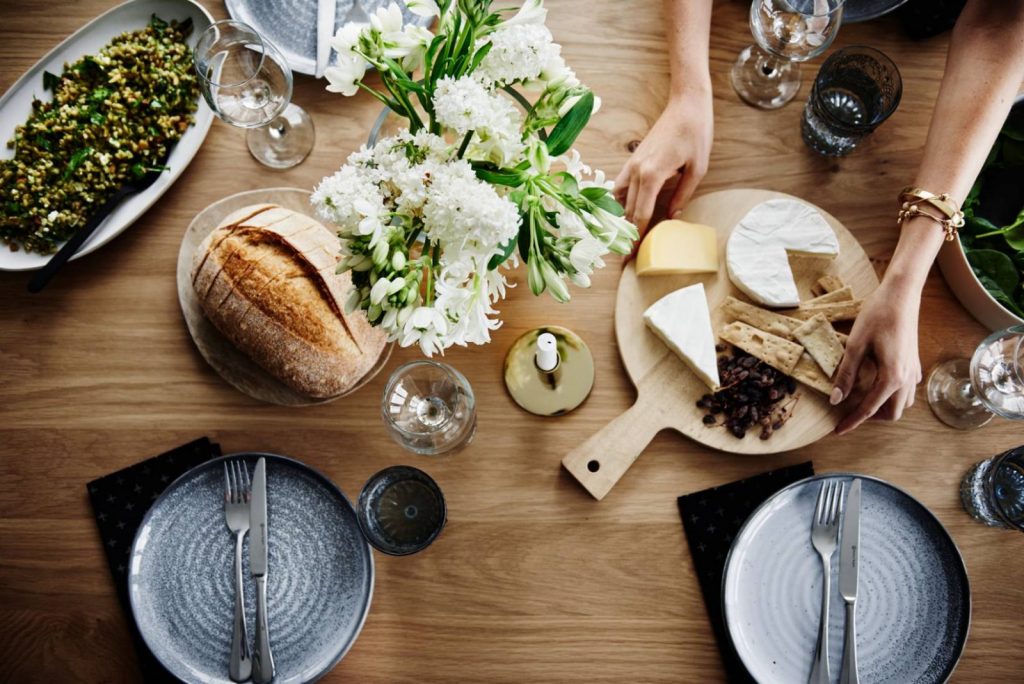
429, 408
966, 394
767, 75
248, 83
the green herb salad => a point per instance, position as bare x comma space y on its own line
113, 117
993, 232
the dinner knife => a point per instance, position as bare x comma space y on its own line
849, 571
262, 660
324, 32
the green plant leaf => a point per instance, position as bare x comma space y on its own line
565, 132
1013, 152
496, 176
1001, 296
594, 193
525, 231
1014, 233
1013, 131
996, 266
50, 81
76, 160
506, 251
608, 203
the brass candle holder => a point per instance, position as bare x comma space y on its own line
549, 371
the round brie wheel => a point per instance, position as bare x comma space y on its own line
757, 253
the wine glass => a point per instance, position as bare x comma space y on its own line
248, 84
767, 75
429, 408
966, 394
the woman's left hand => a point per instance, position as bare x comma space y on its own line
886, 333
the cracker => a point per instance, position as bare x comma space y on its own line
819, 339
836, 311
809, 373
778, 352
763, 319
843, 294
829, 283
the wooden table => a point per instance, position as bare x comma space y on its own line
532, 580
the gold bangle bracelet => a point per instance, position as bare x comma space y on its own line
913, 200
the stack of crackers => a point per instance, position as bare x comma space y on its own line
801, 342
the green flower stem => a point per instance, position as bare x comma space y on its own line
429, 301
465, 144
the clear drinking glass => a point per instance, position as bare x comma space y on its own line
429, 408
966, 394
992, 491
856, 89
248, 83
767, 75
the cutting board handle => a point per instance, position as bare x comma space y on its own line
599, 462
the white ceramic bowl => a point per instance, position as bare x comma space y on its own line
969, 290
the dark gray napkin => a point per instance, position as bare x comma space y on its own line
119, 503
712, 518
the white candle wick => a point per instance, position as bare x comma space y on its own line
547, 352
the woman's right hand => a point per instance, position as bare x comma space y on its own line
679, 143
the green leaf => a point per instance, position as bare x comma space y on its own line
1013, 131
567, 183
1013, 152
594, 193
76, 160
157, 23
525, 229
478, 57
1014, 233
998, 267
608, 203
565, 132
506, 251
495, 176
50, 81
1000, 295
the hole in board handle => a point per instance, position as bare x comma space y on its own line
593, 466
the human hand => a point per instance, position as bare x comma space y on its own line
678, 143
885, 332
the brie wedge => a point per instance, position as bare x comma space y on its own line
682, 320
756, 254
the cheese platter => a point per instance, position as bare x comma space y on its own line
830, 279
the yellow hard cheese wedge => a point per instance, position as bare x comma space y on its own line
677, 247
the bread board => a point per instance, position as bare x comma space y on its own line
231, 364
667, 390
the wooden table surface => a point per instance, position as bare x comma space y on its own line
532, 580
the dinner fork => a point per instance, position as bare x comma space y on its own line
237, 492
825, 537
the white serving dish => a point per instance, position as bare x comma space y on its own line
969, 290
16, 105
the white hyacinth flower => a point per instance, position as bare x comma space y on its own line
343, 77
518, 53
426, 327
423, 8
532, 12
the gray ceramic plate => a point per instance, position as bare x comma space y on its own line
913, 606
319, 583
291, 24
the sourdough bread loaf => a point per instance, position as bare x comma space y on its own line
265, 278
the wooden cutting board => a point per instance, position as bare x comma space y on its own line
667, 390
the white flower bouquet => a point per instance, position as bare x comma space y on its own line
429, 218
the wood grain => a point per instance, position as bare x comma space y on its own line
532, 580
